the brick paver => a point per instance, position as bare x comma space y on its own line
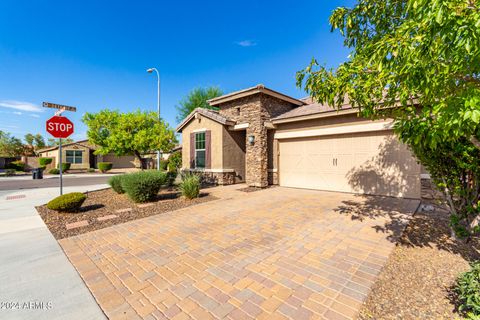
273, 254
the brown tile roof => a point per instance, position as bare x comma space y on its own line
211, 114
310, 109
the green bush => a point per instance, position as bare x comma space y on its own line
105, 166
16, 165
43, 168
116, 183
163, 164
468, 289
9, 172
43, 162
171, 176
190, 186
143, 186
175, 161
68, 202
65, 166
54, 171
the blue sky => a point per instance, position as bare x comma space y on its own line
93, 54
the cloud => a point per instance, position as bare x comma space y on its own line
246, 43
34, 115
20, 105
17, 113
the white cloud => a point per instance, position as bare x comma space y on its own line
34, 115
20, 105
246, 43
17, 113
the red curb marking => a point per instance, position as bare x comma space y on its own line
20, 196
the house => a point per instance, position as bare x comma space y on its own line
262, 137
81, 156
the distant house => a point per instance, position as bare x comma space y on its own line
81, 156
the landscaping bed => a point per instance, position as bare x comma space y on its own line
112, 208
418, 279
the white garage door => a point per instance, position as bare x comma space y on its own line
370, 163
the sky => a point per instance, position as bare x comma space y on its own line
94, 54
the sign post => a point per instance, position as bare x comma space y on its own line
59, 127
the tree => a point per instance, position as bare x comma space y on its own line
417, 61
52, 142
197, 98
128, 133
39, 141
10, 146
29, 138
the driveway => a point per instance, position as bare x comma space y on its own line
278, 253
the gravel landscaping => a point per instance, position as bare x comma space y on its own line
417, 281
105, 208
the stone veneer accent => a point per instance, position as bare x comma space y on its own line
215, 178
255, 110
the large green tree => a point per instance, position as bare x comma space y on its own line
417, 61
197, 98
128, 133
10, 146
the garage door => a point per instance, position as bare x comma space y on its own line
370, 163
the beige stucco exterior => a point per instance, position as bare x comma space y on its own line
200, 124
76, 147
321, 150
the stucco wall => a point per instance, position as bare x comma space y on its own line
335, 121
216, 129
234, 153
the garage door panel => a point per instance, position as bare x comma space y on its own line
371, 163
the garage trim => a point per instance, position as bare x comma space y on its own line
369, 127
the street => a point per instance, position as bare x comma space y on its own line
48, 182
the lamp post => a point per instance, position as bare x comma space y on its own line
158, 107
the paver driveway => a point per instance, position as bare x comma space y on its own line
278, 253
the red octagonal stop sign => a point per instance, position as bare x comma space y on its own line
59, 127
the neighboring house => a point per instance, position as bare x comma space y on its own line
261, 137
81, 156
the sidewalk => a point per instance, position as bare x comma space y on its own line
36, 279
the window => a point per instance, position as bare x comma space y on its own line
200, 150
74, 156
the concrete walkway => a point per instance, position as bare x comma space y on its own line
36, 279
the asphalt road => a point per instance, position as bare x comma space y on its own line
6, 184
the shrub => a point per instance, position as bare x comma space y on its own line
54, 171
190, 186
43, 162
175, 161
105, 166
16, 165
65, 166
67, 202
468, 289
43, 168
116, 183
91, 170
171, 176
143, 186
9, 172
163, 164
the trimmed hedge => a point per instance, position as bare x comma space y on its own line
65, 166
105, 166
116, 183
16, 165
54, 171
190, 186
43, 162
143, 186
68, 202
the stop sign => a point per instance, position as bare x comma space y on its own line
59, 127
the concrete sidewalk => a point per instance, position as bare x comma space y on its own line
36, 279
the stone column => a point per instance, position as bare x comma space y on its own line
256, 155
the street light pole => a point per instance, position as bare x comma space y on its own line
158, 107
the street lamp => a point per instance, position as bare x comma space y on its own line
158, 107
